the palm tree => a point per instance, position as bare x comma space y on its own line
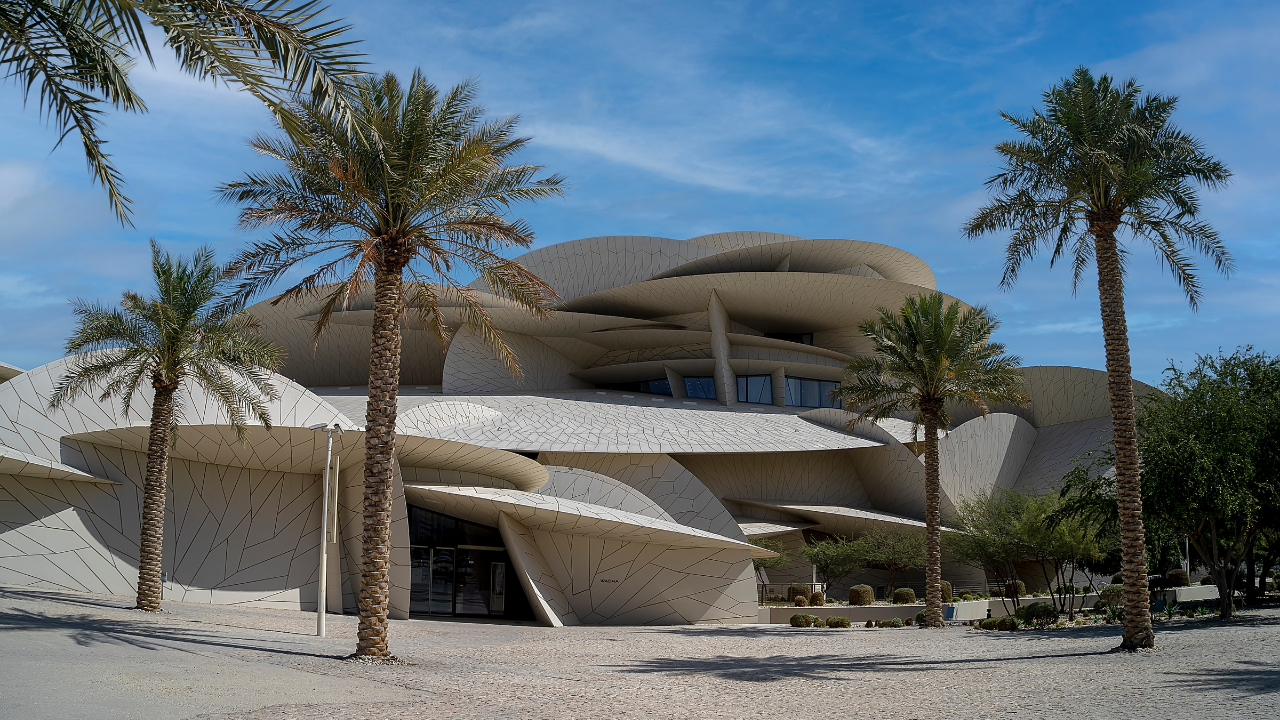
925, 356
423, 188
1098, 160
179, 335
79, 53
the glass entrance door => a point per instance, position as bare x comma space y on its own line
442, 581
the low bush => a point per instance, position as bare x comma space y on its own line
904, 596
892, 623
817, 599
1007, 623
966, 598
947, 594
1017, 588
836, 621
870, 624
920, 618
861, 595
1178, 578
795, 589
800, 601
989, 624
908, 622
818, 622
1207, 580
799, 620
1111, 594
1041, 614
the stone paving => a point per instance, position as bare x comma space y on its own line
71, 655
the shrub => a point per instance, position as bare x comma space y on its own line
920, 618
1007, 623
908, 622
1178, 578
1040, 614
1016, 588
801, 620
836, 621
800, 601
892, 623
818, 622
904, 596
1117, 579
966, 598
861, 595
817, 599
797, 589
1207, 580
989, 624
1111, 594
870, 624
947, 595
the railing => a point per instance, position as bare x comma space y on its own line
883, 592
766, 591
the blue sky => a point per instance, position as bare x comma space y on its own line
872, 121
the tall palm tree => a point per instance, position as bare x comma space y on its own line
929, 354
1100, 163
179, 335
422, 189
79, 54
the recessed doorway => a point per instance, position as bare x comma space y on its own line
462, 569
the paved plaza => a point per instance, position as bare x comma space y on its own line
88, 656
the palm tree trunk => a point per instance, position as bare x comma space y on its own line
932, 518
379, 451
1138, 632
151, 541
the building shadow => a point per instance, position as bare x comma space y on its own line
90, 630
1248, 677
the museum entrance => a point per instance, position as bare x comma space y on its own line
461, 568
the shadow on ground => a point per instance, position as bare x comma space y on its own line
1248, 677
88, 630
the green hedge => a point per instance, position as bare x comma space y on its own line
904, 596
861, 595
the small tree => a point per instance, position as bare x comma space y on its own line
896, 551
835, 558
984, 536
770, 563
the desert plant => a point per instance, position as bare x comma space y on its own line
800, 601
904, 596
892, 623
177, 338
818, 599
1040, 614
1207, 580
908, 622
773, 545
870, 624
1112, 594
795, 589
1015, 589
966, 597
920, 618
834, 558
947, 594
392, 212
990, 624
1178, 578
1007, 623
930, 354
1099, 163
862, 595
799, 620
836, 621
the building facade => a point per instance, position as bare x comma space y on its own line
673, 408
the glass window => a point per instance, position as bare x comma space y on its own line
755, 389
700, 387
807, 392
654, 387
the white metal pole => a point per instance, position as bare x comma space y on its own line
324, 533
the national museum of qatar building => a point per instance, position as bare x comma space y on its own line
674, 407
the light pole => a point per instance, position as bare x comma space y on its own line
321, 600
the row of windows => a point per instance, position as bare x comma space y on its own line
800, 392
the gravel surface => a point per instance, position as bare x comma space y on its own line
70, 655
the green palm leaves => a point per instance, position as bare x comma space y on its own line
423, 189
179, 334
1099, 158
928, 354
79, 54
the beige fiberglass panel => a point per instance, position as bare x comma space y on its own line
8, 371
1059, 394
825, 478
767, 302
852, 257
471, 366
588, 487
581, 267
612, 422
1056, 449
660, 478
550, 606
984, 453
